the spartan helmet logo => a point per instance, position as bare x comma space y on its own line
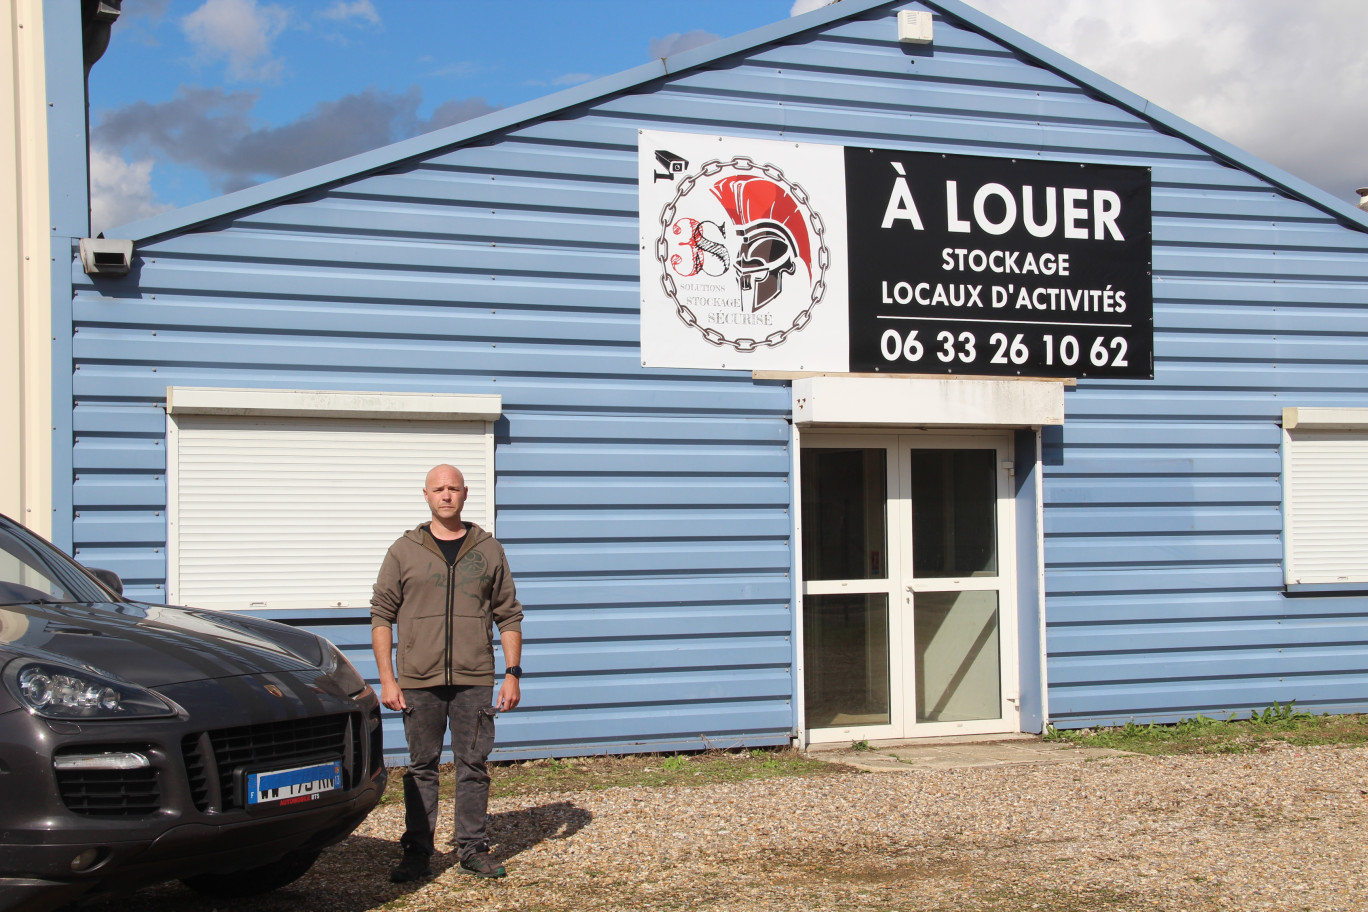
772, 233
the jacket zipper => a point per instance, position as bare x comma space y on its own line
450, 607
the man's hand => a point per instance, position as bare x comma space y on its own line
509, 694
391, 697
510, 641
382, 644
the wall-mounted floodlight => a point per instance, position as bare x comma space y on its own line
105, 257
914, 27
1363, 198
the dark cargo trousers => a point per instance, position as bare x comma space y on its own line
467, 709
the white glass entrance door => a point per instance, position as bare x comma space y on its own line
848, 589
908, 614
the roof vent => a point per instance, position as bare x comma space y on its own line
914, 27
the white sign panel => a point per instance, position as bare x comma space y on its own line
792, 256
742, 254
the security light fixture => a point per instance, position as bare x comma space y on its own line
1363, 198
914, 27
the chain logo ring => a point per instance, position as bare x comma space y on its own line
820, 258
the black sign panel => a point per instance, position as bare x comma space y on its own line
995, 266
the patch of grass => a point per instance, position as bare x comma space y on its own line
521, 777
1204, 735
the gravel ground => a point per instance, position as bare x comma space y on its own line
1284, 828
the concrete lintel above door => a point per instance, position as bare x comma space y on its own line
927, 402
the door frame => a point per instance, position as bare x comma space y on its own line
899, 443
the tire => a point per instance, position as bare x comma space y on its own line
254, 881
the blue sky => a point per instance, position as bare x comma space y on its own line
195, 98
200, 97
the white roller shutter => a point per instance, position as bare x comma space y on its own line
1325, 494
281, 512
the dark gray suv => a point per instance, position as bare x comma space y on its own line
142, 743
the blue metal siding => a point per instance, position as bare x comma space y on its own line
647, 512
69, 214
1164, 505
1030, 610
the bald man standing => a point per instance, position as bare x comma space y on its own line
446, 584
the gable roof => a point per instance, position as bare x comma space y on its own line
458, 134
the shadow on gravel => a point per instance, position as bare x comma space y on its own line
354, 875
517, 831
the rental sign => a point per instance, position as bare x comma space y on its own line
763, 255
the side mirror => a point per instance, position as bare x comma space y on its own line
109, 578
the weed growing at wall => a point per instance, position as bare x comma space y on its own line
1204, 735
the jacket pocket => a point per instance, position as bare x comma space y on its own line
471, 649
421, 657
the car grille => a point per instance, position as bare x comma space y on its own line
212, 758
110, 793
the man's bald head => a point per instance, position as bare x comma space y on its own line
443, 474
445, 491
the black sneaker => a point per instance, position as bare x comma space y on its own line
414, 866
482, 865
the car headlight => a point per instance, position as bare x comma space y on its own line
339, 668
58, 692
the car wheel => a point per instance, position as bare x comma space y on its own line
254, 881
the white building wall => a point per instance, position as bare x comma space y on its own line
25, 287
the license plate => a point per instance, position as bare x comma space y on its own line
303, 783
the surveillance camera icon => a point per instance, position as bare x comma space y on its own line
671, 163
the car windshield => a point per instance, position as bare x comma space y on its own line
31, 571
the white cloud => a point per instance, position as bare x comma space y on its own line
120, 191
807, 6
239, 32
1287, 88
341, 11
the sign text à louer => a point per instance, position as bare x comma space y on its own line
762, 255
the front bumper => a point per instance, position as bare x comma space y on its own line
187, 815
181, 851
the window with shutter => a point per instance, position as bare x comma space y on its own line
283, 499
1325, 495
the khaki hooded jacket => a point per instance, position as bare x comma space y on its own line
445, 612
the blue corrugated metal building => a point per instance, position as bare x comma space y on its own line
713, 556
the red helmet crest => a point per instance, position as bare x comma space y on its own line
748, 199
772, 233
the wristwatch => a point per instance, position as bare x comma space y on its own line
514, 670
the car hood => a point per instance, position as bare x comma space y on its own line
155, 645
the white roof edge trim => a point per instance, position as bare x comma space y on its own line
188, 400
928, 402
1325, 418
